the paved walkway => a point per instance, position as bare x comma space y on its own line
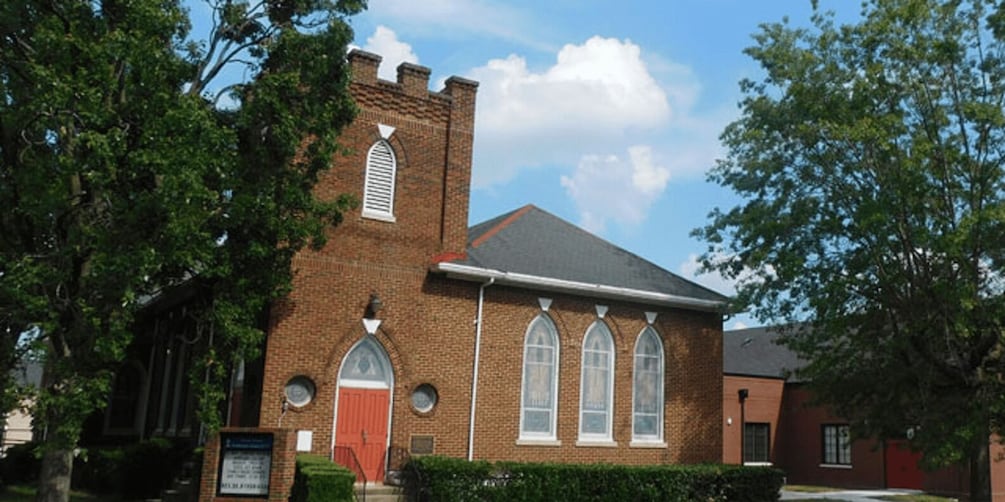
846, 496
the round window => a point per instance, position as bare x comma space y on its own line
424, 398
300, 391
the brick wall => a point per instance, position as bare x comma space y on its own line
801, 451
693, 380
763, 405
313, 329
427, 321
282, 467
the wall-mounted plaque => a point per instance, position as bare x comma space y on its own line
245, 464
421, 445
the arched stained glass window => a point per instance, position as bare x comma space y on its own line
122, 413
597, 385
367, 365
539, 392
647, 388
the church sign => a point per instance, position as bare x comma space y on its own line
245, 464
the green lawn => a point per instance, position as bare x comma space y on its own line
24, 493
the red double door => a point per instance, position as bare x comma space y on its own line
902, 469
362, 426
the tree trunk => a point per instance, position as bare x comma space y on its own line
54, 480
980, 471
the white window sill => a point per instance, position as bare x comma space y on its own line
596, 444
647, 444
835, 466
538, 442
758, 464
373, 215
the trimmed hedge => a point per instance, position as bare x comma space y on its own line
20, 465
135, 471
440, 479
318, 479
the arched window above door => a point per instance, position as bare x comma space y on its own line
367, 365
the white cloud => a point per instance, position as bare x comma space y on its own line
648, 178
691, 269
596, 94
384, 42
610, 188
737, 325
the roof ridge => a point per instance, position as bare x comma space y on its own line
515, 215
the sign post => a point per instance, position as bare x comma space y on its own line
249, 464
245, 464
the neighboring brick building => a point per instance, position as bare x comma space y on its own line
777, 424
523, 338
16, 426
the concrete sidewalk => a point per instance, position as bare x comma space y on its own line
845, 495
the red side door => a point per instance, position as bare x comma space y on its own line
362, 426
902, 469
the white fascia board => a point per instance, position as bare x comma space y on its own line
479, 274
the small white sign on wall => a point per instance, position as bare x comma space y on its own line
304, 440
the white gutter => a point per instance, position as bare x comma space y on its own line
480, 274
474, 376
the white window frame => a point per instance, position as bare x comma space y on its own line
840, 442
750, 443
598, 328
380, 177
551, 434
638, 437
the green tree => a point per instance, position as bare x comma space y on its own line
121, 174
870, 162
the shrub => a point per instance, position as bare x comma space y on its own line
134, 471
319, 479
439, 479
20, 464
148, 467
97, 470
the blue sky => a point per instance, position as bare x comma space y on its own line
604, 113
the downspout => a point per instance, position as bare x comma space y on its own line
474, 375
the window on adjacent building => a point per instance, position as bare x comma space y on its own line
756, 442
378, 186
837, 444
539, 391
122, 413
597, 384
647, 388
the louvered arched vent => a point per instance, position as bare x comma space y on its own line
378, 189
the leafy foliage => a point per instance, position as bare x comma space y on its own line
871, 160
120, 176
448, 479
319, 479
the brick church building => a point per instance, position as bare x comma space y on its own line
521, 338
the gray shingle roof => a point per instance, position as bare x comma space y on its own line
534, 242
756, 352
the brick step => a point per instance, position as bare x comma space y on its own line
381, 493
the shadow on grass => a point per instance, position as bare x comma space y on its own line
26, 493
